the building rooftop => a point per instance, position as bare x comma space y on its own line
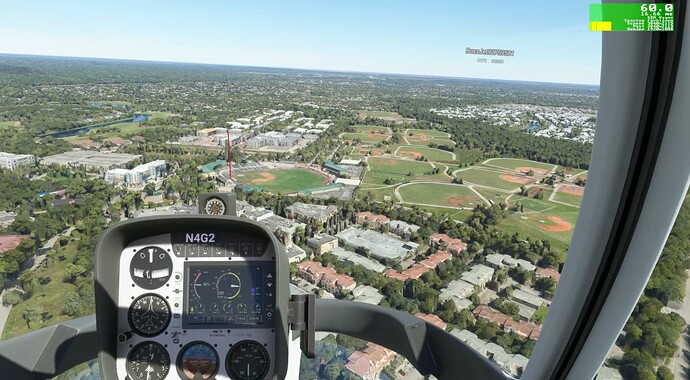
321, 240
358, 259
312, 211
378, 244
91, 159
367, 294
457, 288
454, 245
433, 319
10, 242
524, 297
433, 260
399, 225
371, 217
549, 272
478, 275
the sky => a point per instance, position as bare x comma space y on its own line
551, 39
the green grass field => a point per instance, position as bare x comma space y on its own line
377, 193
365, 137
512, 163
440, 194
364, 114
431, 154
50, 297
285, 181
430, 133
9, 124
372, 129
568, 198
532, 222
395, 166
486, 178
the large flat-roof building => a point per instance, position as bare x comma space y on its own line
379, 245
513, 364
150, 171
478, 275
12, 161
95, 161
358, 259
322, 244
308, 213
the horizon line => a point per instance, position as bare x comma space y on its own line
426, 76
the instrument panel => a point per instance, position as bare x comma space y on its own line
197, 306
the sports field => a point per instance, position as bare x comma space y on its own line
431, 154
428, 133
519, 165
283, 181
366, 137
439, 194
494, 179
372, 129
542, 220
364, 114
382, 168
568, 198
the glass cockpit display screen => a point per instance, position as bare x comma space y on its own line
237, 294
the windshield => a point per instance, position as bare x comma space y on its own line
429, 157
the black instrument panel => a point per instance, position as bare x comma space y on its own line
236, 295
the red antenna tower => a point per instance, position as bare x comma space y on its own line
229, 162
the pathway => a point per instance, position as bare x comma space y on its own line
479, 195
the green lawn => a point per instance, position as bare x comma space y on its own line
366, 138
378, 194
371, 129
286, 181
9, 124
431, 154
395, 166
486, 178
568, 198
50, 297
364, 114
531, 222
440, 194
428, 133
512, 163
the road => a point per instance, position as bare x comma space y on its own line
681, 364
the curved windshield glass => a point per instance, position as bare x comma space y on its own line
429, 157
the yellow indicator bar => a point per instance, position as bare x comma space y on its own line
600, 26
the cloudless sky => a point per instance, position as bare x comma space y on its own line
551, 39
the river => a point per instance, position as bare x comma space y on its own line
82, 130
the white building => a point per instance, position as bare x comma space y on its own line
141, 174
12, 161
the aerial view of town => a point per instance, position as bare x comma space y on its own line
450, 199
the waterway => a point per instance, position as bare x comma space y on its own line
82, 130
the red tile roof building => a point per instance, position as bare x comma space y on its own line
525, 330
371, 362
88, 143
433, 319
548, 272
10, 242
454, 246
327, 277
119, 141
435, 259
375, 220
412, 273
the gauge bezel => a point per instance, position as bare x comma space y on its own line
178, 360
129, 315
145, 286
228, 367
133, 349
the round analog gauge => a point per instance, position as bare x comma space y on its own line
215, 206
247, 360
149, 315
148, 361
151, 268
197, 360
228, 285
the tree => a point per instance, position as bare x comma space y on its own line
31, 314
74, 271
72, 304
663, 373
12, 298
530, 173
